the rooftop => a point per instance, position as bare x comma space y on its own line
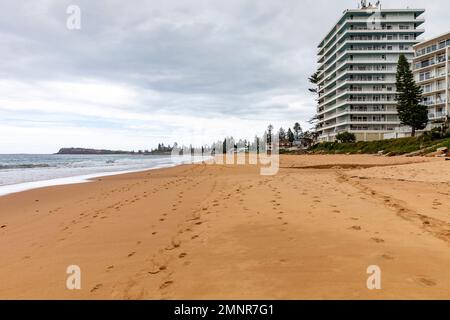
439, 38
366, 10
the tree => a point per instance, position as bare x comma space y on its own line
269, 134
298, 130
409, 95
345, 137
282, 134
290, 136
314, 79
308, 138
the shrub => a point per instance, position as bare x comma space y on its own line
346, 137
391, 146
436, 133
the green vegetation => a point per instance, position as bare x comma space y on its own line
346, 137
410, 111
425, 144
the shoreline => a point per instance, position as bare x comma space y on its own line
201, 231
79, 179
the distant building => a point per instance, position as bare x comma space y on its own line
431, 71
357, 66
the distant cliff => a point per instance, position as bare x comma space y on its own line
90, 151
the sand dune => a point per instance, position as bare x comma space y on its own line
223, 231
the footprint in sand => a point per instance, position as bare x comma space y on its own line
166, 284
377, 240
98, 286
175, 243
131, 254
424, 281
355, 228
182, 255
156, 267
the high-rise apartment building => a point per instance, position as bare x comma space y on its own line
357, 67
432, 72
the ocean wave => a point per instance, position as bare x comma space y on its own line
24, 166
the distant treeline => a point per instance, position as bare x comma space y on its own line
286, 139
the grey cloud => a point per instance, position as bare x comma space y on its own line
217, 57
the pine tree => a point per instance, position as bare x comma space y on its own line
409, 96
282, 134
314, 79
297, 130
290, 136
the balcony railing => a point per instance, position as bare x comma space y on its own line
436, 115
434, 102
372, 60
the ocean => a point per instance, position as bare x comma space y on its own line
19, 172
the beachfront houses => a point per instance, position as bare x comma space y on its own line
431, 67
357, 67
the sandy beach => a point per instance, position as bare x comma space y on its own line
224, 231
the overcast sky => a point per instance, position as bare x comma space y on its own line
142, 72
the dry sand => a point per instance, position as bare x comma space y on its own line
221, 232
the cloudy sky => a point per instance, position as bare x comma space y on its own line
142, 72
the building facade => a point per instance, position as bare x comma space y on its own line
357, 70
431, 67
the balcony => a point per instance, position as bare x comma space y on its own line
436, 115
434, 102
372, 60
338, 31
432, 49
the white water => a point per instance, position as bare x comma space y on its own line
24, 172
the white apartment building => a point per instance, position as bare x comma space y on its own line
357, 70
431, 69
